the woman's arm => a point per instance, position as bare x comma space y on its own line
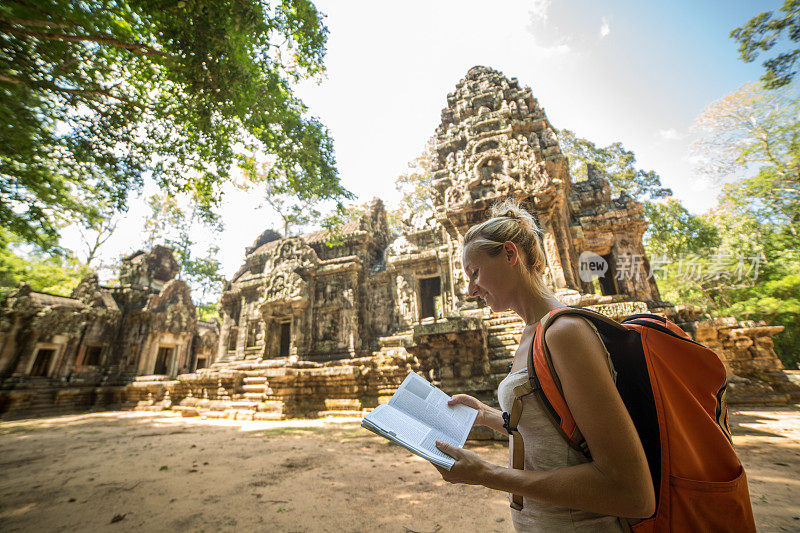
617, 481
487, 416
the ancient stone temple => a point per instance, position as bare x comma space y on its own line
309, 328
78, 351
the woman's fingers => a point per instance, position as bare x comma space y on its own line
462, 399
448, 449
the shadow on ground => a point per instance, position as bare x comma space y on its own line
125, 471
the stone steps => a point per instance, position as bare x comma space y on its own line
503, 340
498, 366
505, 321
254, 396
511, 325
254, 380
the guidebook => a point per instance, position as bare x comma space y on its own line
417, 416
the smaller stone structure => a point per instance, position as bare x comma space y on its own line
64, 352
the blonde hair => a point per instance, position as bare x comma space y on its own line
511, 222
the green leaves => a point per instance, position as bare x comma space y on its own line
618, 163
94, 95
51, 273
762, 33
673, 231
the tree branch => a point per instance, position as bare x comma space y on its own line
34, 23
137, 48
57, 88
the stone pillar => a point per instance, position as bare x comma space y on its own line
9, 347
553, 256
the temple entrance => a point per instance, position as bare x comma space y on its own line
233, 334
41, 364
608, 281
286, 339
429, 290
93, 354
163, 357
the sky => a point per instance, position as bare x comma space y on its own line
629, 71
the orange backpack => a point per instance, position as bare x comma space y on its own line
674, 391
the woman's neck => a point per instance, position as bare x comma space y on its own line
539, 306
531, 305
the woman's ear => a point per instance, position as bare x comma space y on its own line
511, 252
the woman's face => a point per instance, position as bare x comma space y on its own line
491, 278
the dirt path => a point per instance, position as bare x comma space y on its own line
166, 473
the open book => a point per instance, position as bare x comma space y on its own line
417, 416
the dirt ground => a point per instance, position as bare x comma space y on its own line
125, 471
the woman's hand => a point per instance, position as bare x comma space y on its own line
473, 402
487, 416
469, 468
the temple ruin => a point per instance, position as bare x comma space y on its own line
80, 351
309, 329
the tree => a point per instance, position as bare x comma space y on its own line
94, 94
416, 188
173, 226
672, 231
55, 273
750, 139
96, 233
762, 33
617, 162
750, 128
295, 211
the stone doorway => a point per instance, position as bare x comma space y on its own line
162, 360
430, 289
93, 356
286, 338
41, 364
608, 282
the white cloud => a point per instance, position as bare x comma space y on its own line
538, 12
670, 134
605, 27
554, 50
547, 42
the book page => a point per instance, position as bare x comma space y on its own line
428, 404
410, 433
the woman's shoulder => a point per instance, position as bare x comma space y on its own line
565, 329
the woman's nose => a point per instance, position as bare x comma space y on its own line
472, 289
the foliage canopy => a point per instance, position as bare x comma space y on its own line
762, 33
618, 163
94, 94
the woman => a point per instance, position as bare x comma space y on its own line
562, 491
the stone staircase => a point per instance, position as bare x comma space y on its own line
40, 396
274, 389
504, 330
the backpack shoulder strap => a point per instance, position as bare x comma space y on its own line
549, 390
552, 400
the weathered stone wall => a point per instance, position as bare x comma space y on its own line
454, 354
277, 389
78, 351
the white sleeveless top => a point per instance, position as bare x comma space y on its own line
545, 449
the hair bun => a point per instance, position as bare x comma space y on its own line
511, 222
512, 209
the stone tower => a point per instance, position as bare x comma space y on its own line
495, 142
